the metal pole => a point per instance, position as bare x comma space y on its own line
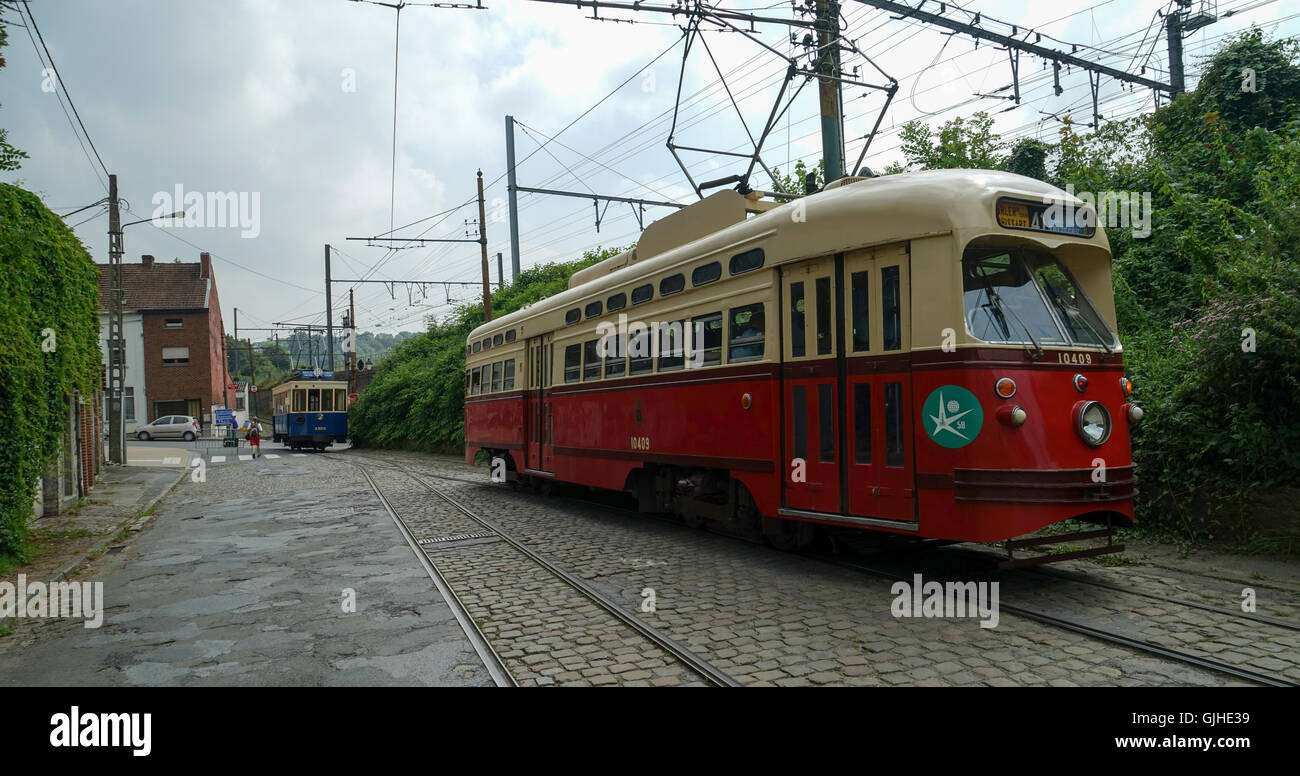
512, 194
329, 309
482, 242
1174, 30
352, 356
828, 42
501, 279
116, 343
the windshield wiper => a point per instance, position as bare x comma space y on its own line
996, 299
1064, 312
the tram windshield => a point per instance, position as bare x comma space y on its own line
1027, 297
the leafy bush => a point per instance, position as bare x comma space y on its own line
48, 284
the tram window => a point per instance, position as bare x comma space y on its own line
616, 302
823, 316
801, 422
747, 261
326, 400
862, 423
572, 316
892, 308
797, 335
745, 341
615, 355
508, 376
496, 377
670, 346
313, 400
591, 360
467, 382
861, 312
510, 336
642, 293
592, 310
340, 400
639, 350
487, 343
572, 363
825, 432
475, 381
672, 284
706, 273
893, 424
478, 346
300, 400
498, 339
706, 335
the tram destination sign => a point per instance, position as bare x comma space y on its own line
1057, 216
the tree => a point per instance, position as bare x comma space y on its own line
967, 143
796, 184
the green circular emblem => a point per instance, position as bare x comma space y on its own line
952, 416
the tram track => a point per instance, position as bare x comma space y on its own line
683, 655
1047, 618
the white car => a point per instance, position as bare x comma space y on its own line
169, 427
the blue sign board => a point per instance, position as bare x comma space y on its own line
223, 417
309, 374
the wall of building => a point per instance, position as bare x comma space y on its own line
134, 376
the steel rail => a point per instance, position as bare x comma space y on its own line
496, 667
690, 659
1097, 633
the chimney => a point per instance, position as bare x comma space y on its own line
146, 260
205, 262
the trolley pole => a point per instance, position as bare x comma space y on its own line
828, 65
329, 309
482, 243
116, 345
512, 194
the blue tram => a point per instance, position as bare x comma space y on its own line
311, 412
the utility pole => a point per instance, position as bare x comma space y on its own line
501, 279
116, 345
828, 67
512, 193
482, 242
329, 309
352, 355
1174, 32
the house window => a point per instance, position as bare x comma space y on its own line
173, 323
128, 404
175, 355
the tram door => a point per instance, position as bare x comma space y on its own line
878, 383
847, 385
538, 448
810, 378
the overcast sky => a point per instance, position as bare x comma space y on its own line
289, 103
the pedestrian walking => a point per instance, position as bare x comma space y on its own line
255, 438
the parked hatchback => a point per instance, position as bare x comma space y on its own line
169, 427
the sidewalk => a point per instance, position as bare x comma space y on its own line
122, 496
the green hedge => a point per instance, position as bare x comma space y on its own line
47, 282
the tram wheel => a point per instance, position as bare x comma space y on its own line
787, 535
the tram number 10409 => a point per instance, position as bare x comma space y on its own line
640, 443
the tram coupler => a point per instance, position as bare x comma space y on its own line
1038, 541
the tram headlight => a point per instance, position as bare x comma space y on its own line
1092, 421
1134, 412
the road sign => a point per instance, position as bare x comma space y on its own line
253, 388
223, 417
232, 387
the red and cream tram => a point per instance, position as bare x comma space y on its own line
931, 354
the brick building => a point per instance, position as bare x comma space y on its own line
173, 337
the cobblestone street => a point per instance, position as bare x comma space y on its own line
241, 579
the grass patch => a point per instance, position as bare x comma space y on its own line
6, 630
40, 542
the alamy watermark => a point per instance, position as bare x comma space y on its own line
639, 339
952, 599
1129, 209
221, 209
25, 599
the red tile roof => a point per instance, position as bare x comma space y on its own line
161, 285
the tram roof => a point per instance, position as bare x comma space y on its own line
849, 214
